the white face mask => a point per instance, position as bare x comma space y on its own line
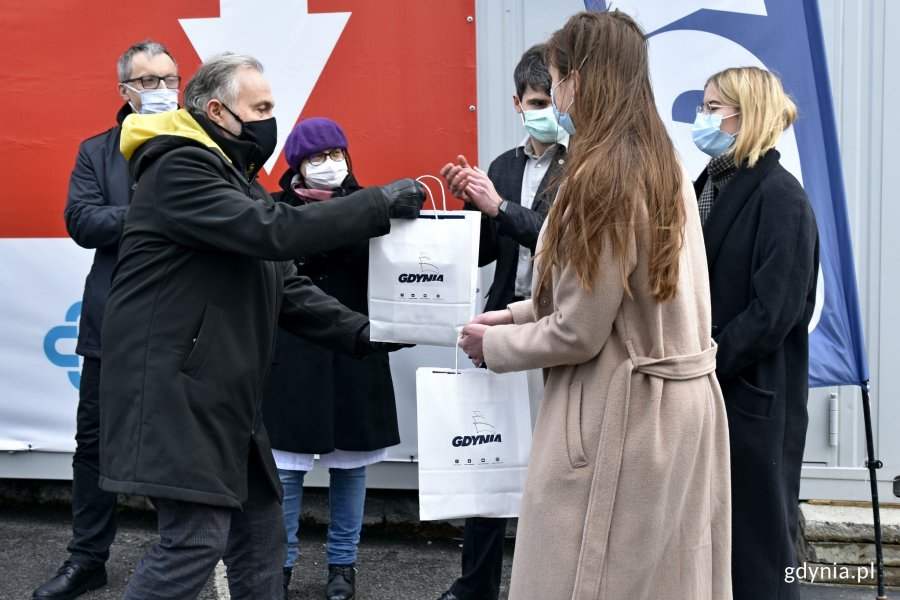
156, 101
327, 176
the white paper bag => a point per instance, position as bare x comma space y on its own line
474, 430
423, 278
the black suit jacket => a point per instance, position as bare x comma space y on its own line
762, 250
518, 226
100, 191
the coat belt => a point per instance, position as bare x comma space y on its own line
608, 462
687, 366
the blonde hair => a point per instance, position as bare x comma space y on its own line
766, 110
621, 163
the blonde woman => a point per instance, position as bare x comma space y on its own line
627, 493
762, 248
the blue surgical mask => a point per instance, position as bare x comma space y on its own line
708, 135
542, 125
156, 100
563, 118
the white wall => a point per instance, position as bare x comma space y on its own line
505, 29
865, 75
864, 64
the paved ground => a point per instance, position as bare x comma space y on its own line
823, 592
394, 564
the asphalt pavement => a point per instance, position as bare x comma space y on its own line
392, 565
395, 563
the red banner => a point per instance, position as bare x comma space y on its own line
400, 81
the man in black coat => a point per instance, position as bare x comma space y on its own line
203, 281
513, 197
99, 194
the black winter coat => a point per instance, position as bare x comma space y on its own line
518, 226
317, 400
762, 249
100, 190
203, 280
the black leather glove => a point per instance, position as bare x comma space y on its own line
405, 198
365, 346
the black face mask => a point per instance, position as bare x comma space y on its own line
263, 133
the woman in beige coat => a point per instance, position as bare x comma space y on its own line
628, 487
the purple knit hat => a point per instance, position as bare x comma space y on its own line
310, 136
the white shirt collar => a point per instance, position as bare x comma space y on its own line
526, 146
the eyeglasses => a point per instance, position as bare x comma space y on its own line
711, 107
151, 82
335, 154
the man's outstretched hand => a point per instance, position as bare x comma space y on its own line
405, 198
365, 346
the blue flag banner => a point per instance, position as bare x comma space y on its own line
692, 39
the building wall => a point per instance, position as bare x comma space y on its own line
864, 64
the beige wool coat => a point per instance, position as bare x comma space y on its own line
627, 495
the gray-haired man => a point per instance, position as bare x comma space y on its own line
204, 279
99, 194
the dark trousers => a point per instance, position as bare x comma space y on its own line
194, 537
482, 559
93, 510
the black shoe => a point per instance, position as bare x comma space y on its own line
448, 595
341, 582
286, 580
70, 581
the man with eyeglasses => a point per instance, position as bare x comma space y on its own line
100, 191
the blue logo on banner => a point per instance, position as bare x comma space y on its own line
691, 40
62, 332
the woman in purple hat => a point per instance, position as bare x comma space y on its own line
318, 401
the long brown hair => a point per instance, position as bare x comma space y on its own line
620, 153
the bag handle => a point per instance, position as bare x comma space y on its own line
431, 195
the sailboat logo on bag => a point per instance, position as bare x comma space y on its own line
429, 272
485, 433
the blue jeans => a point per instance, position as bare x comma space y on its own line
346, 499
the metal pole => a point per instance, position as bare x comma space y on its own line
873, 465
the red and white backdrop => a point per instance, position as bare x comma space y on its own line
398, 75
